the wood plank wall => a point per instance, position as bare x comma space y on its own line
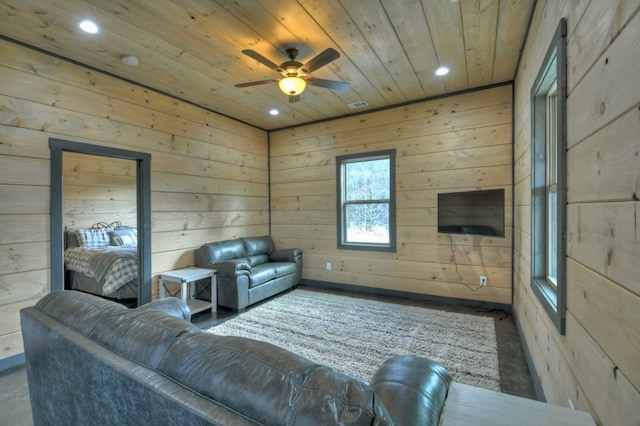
97, 189
456, 143
209, 174
596, 364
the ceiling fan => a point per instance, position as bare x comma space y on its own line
296, 75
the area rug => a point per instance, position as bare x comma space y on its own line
355, 335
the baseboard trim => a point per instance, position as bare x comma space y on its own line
12, 361
408, 295
537, 387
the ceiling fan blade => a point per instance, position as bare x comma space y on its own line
255, 83
320, 60
264, 61
329, 84
294, 98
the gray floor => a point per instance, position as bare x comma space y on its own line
14, 398
514, 373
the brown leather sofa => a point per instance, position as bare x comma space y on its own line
250, 269
91, 361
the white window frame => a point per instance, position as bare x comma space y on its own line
551, 160
343, 202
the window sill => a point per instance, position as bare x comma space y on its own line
548, 297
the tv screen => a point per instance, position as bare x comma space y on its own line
472, 212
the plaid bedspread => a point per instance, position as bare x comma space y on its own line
111, 266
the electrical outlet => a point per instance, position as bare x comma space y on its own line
483, 281
328, 266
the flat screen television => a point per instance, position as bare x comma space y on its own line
472, 212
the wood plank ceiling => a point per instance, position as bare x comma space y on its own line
191, 49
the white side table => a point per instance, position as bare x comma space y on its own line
473, 406
186, 278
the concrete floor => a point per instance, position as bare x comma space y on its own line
14, 398
15, 409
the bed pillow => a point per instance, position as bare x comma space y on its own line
70, 238
124, 236
92, 237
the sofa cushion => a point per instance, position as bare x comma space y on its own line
257, 259
286, 255
142, 334
266, 272
268, 384
283, 268
79, 311
211, 253
261, 274
258, 245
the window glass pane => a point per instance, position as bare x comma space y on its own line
552, 133
552, 238
367, 223
367, 180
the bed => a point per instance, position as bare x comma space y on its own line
102, 260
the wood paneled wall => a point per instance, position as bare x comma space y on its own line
209, 174
456, 143
97, 189
595, 365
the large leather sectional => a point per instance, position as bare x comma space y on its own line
250, 269
91, 361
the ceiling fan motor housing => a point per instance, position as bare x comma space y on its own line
292, 68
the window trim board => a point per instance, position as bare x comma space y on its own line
552, 300
391, 247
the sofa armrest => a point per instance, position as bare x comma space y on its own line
412, 389
170, 306
286, 255
231, 269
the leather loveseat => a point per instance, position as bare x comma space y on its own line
91, 361
250, 269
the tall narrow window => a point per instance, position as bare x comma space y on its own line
552, 183
366, 201
548, 180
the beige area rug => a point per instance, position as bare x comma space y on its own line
355, 335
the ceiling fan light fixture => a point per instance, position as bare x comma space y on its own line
292, 86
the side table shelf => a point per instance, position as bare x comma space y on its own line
187, 278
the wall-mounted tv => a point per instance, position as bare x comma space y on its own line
472, 212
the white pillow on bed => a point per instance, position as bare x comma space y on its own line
91, 237
124, 237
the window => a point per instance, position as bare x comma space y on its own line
551, 100
548, 180
366, 201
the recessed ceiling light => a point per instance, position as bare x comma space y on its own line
88, 26
442, 71
274, 112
